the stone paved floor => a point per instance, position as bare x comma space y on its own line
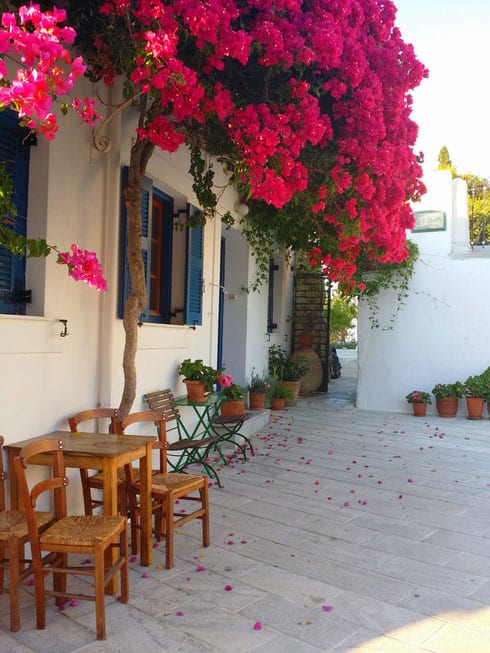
348, 530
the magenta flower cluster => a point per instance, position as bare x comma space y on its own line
338, 79
48, 71
83, 266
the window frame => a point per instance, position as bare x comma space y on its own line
193, 251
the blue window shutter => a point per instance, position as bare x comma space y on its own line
124, 280
14, 150
193, 294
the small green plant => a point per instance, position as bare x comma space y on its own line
286, 368
279, 390
418, 397
448, 390
196, 370
234, 392
475, 386
258, 383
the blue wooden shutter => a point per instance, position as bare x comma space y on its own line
124, 280
193, 288
14, 150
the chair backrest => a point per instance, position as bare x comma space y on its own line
56, 484
159, 419
3, 476
164, 402
93, 414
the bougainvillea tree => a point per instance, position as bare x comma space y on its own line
307, 104
37, 42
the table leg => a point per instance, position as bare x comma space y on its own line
146, 551
110, 508
13, 485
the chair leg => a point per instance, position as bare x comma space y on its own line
99, 591
87, 497
205, 517
14, 553
123, 542
168, 507
39, 592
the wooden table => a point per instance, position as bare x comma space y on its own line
107, 453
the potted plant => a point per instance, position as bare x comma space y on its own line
198, 377
419, 400
447, 397
289, 369
475, 391
486, 378
232, 394
279, 394
257, 390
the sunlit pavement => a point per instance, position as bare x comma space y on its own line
348, 530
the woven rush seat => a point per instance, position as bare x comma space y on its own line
13, 523
77, 530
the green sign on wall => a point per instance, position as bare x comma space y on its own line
429, 221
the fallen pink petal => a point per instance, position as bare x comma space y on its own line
258, 625
200, 568
228, 588
327, 608
179, 614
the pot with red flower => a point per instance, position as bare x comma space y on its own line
419, 400
232, 393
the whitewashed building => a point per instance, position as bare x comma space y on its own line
441, 334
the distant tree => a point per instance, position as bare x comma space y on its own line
478, 208
343, 312
445, 162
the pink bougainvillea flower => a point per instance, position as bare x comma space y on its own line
132, 559
327, 608
258, 625
228, 588
145, 574
83, 266
179, 614
200, 568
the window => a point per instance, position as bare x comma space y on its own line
172, 258
14, 152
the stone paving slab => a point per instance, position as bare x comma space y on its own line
348, 530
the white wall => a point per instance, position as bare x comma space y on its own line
441, 334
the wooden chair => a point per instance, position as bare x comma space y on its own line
81, 535
187, 451
95, 481
167, 487
14, 535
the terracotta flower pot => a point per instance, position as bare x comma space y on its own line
278, 403
295, 387
196, 390
447, 407
256, 400
419, 409
475, 407
232, 407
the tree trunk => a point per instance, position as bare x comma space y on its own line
140, 155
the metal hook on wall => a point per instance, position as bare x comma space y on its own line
64, 333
